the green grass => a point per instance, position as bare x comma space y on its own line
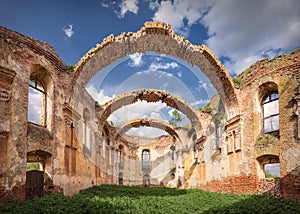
122, 199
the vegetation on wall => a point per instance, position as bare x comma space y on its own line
236, 81
124, 199
98, 105
265, 139
70, 68
206, 108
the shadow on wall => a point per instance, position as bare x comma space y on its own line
286, 187
290, 184
270, 187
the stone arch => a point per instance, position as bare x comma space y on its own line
160, 38
149, 95
38, 179
149, 122
266, 88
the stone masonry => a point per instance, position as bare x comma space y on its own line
225, 148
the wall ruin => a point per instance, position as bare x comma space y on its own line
76, 153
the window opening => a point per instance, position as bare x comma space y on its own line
145, 158
271, 113
37, 102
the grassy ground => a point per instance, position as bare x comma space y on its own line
123, 199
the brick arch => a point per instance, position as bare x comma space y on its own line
148, 122
266, 88
160, 38
149, 95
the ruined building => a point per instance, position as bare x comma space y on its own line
72, 146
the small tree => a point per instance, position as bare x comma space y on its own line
176, 118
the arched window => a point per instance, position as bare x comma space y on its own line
145, 158
37, 103
121, 156
271, 112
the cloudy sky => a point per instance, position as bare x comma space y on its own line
239, 32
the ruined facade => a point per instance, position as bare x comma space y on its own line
71, 146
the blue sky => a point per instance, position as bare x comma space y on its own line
238, 32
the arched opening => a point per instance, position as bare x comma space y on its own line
149, 95
37, 102
269, 101
269, 174
40, 90
271, 112
38, 179
121, 157
149, 122
146, 158
150, 38
269, 165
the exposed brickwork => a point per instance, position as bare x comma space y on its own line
38, 47
270, 187
147, 122
79, 148
233, 184
158, 37
149, 96
290, 185
16, 193
285, 63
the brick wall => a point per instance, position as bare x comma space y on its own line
233, 184
270, 186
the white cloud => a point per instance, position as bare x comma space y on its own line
98, 95
140, 109
202, 85
181, 14
199, 102
146, 132
179, 74
69, 31
239, 32
245, 32
128, 6
105, 5
156, 115
34, 105
153, 5
157, 74
137, 60
159, 66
